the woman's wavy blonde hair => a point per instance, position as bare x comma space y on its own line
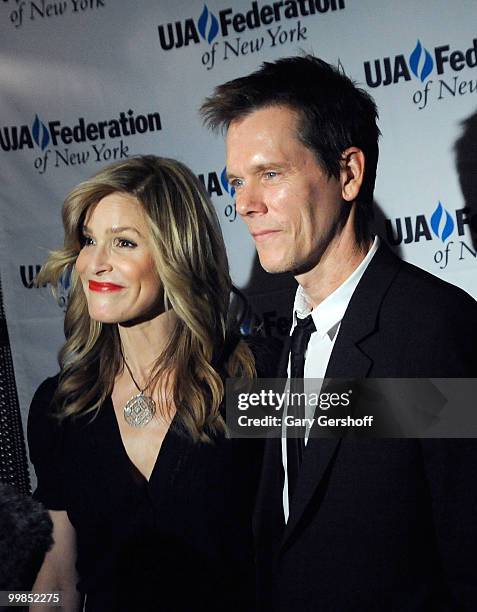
192, 264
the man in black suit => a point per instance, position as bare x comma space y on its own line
348, 525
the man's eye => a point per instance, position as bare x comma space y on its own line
236, 183
124, 243
271, 174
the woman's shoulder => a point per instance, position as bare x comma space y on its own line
45, 443
47, 388
41, 402
41, 419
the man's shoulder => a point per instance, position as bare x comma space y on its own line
425, 290
414, 286
424, 326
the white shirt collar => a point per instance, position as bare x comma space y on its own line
328, 314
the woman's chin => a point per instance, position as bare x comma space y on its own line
104, 317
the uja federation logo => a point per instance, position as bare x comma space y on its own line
217, 185
423, 62
208, 25
19, 137
441, 225
13, 138
387, 71
183, 33
424, 69
40, 133
232, 24
100, 141
21, 11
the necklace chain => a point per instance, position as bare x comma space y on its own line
130, 372
133, 379
140, 409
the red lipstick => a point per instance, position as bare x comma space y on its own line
103, 287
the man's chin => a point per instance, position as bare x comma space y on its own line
280, 267
274, 267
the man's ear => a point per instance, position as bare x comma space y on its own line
351, 173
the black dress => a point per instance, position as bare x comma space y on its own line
179, 542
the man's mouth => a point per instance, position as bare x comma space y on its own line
262, 235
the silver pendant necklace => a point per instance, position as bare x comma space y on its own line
140, 409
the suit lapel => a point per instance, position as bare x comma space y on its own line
283, 363
317, 457
349, 359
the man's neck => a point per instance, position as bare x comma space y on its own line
340, 259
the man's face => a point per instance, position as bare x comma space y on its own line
290, 205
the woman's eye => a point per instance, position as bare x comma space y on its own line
124, 243
86, 241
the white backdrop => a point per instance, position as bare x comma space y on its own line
85, 82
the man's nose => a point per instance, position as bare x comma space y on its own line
250, 200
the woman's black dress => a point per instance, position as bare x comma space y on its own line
178, 542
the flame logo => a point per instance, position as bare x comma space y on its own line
415, 58
225, 184
202, 25
39, 129
436, 220
63, 288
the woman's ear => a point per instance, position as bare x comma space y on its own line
351, 173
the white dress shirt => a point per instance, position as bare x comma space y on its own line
327, 317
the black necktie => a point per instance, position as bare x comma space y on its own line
296, 445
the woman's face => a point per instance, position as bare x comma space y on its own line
115, 264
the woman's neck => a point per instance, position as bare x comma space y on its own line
144, 342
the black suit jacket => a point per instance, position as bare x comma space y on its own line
380, 525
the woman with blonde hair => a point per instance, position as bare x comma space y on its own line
151, 502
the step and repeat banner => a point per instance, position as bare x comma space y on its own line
88, 82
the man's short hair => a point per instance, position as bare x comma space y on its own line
334, 114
